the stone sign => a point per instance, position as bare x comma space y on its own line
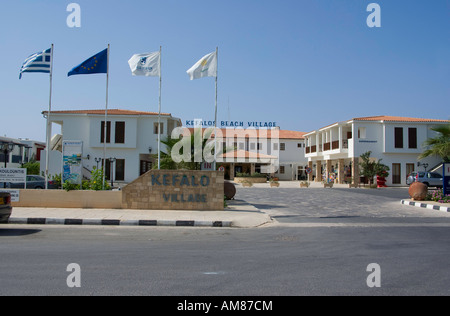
175, 190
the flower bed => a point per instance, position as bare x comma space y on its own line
438, 196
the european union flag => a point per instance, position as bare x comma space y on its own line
97, 64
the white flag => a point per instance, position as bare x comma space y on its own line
146, 64
205, 67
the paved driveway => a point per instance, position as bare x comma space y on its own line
295, 204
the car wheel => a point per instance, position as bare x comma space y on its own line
427, 184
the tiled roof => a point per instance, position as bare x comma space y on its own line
259, 133
387, 118
399, 119
110, 112
246, 154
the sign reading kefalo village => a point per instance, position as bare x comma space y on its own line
175, 190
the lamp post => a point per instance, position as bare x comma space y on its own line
111, 162
6, 149
97, 160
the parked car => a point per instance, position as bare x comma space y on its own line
431, 179
33, 182
5, 207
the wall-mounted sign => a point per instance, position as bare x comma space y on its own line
230, 124
15, 194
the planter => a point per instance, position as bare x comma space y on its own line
381, 182
304, 185
274, 184
247, 184
355, 186
249, 179
328, 185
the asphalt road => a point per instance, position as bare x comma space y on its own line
269, 261
312, 250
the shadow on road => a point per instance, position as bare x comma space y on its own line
8, 232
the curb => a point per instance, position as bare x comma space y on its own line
428, 206
117, 222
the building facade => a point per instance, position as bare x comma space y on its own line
275, 152
131, 140
333, 151
23, 151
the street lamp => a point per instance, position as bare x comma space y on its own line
6, 149
97, 160
111, 162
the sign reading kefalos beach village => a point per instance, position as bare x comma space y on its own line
175, 190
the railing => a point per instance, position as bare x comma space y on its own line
335, 145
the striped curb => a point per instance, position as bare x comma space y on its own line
428, 206
117, 222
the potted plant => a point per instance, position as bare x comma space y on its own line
274, 183
247, 184
304, 184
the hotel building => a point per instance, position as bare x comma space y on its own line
335, 149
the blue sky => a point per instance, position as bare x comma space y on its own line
302, 63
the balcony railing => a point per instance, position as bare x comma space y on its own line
327, 146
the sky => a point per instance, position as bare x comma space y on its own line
301, 63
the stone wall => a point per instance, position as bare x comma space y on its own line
72, 199
175, 190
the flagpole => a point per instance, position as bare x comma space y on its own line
49, 128
215, 120
159, 112
106, 119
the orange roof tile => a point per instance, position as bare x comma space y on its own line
110, 112
259, 133
387, 118
246, 154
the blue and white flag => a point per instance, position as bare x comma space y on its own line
39, 62
148, 65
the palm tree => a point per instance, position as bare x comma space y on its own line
439, 145
167, 163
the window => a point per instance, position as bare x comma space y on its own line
362, 132
108, 132
412, 138
398, 134
252, 146
299, 145
396, 173
282, 170
282, 146
145, 166
259, 146
155, 128
120, 133
410, 167
120, 169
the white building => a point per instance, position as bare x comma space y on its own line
131, 138
23, 150
397, 141
280, 153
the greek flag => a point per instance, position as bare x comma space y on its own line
39, 62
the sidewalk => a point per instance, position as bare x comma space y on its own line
238, 214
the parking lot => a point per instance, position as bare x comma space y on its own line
289, 203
